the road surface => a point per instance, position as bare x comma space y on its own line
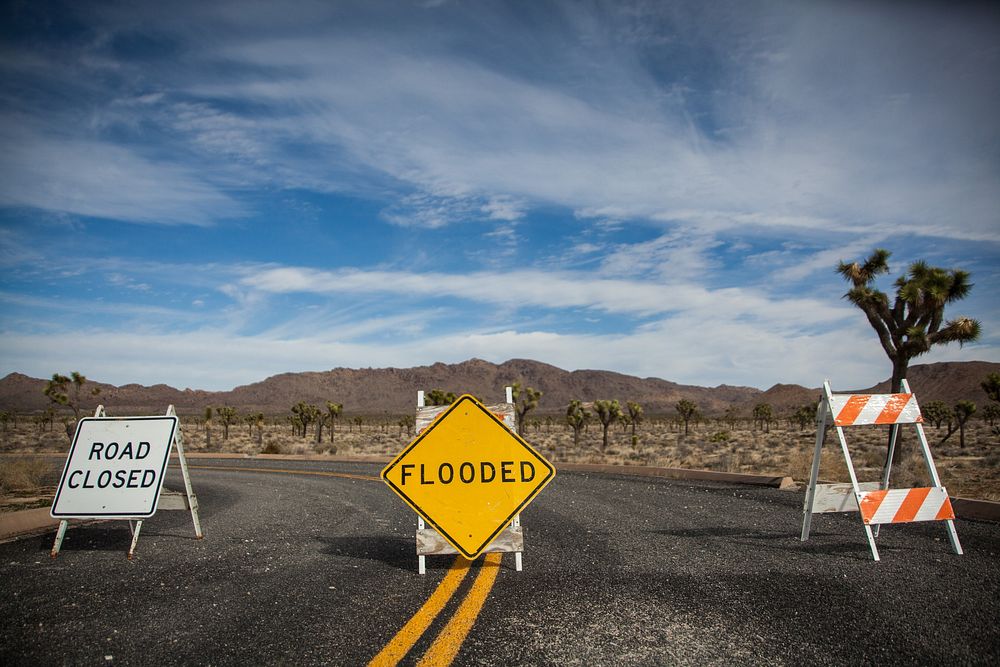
315, 566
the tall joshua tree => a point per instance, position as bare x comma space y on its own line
914, 321
68, 391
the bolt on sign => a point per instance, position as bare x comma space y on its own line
115, 468
468, 475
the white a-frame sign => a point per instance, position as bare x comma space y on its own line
115, 470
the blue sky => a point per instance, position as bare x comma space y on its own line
205, 194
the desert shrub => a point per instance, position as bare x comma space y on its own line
720, 436
22, 475
273, 447
683, 450
326, 448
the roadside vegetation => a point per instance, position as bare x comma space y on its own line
761, 441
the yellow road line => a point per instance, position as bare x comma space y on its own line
318, 473
444, 649
408, 635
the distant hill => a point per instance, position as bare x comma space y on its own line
392, 391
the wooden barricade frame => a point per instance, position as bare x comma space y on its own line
168, 500
876, 502
428, 541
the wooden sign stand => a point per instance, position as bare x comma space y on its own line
877, 503
168, 500
429, 541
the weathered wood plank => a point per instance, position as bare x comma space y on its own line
427, 414
839, 497
430, 542
173, 500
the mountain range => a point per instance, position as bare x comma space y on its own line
392, 391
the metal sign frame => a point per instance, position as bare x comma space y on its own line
165, 500
867, 498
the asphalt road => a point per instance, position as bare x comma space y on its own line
307, 569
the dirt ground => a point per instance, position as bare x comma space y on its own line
722, 445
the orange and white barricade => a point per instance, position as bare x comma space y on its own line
877, 503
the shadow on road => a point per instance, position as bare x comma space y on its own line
396, 552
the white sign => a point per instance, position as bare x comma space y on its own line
115, 468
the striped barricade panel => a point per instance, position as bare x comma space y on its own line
905, 505
862, 409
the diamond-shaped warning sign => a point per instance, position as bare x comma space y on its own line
468, 475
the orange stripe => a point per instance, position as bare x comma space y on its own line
855, 404
911, 505
946, 512
870, 502
893, 406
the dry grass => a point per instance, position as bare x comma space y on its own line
24, 475
712, 445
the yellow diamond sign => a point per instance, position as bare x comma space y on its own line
468, 475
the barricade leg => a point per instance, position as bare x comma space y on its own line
857, 488
807, 508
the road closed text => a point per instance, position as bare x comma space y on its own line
467, 472
122, 478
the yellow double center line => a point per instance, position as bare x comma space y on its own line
450, 639
446, 645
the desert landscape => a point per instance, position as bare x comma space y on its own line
729, 431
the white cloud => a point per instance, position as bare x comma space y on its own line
92, 178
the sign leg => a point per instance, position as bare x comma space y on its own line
192, 499
60, 534
421, 560
135, 538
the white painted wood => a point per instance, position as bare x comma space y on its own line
839, 497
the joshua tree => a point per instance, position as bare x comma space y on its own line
406, 424
607, 412
963, 410
634, 415
991, 413
525, 400
937, 413
306, 414
688, 411
257, 419
208, 426
577, 417
333, 411
68, 391
763, 414
915, 320
803, 415
227, 415
991, 385
439, 397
